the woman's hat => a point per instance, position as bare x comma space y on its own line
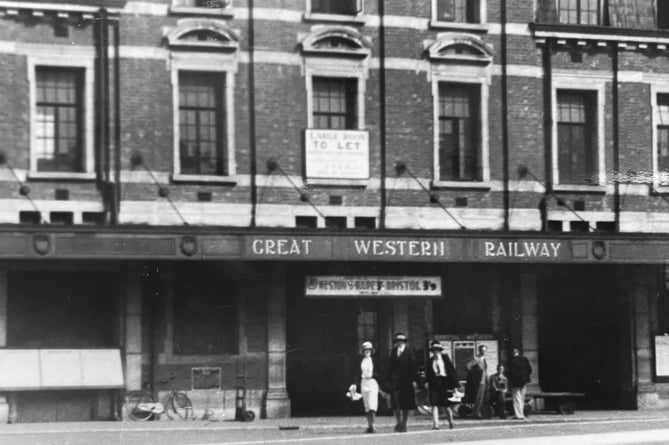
436, 345
367, 345
399, 337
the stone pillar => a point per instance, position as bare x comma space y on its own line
529, 326
642, 288
277, 403
132, 298
4, 404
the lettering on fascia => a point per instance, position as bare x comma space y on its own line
418, 248
522, 249
281, 246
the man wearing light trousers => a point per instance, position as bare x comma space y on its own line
519, 376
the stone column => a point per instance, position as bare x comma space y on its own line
277, 403
529, 327
642, 288
132, 298
4, 404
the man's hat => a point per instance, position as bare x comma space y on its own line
436, 345
367, 345
399, 337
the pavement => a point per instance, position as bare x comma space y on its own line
326, 423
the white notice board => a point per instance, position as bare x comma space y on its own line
19, 369
662, 355
28, 369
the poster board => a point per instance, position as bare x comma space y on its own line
462, 350
661, 344
33, 369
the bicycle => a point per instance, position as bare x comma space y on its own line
177, 405
141, 406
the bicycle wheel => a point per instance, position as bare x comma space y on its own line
180, 406
138, 405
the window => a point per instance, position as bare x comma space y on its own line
662, 14
463, 11
577, 137
210, 4
344, 7
663, 135
205, 312
201, 123
334, 103
459, 153
579, 12
58, 122
367, 327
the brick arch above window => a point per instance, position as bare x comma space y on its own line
338, 40
460, 48
203, 34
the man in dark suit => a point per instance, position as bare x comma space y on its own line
519, 376
402, 377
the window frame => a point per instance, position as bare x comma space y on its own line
585, 85
474, 116
465, 74
226, 66
184, 7
600, 14
355, 18
86, 62
656, 90
481, 25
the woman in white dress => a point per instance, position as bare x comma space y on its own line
367, 373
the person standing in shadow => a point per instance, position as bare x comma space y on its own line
519, 376
441, 381
403, 374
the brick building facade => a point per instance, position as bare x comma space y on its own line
174, 172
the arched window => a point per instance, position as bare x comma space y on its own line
203, 61
336, 62
460, 73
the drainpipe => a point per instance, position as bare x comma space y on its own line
103, 148
382, 115
616, 141
505, 119
548, 131
116, 208
252, 118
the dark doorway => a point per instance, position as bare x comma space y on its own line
60, 309
584, 335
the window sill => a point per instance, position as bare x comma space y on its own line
579, 188
478, 185
660, 189
201, 11
336, 18
337, 182
210, 179
460, 26
73, 176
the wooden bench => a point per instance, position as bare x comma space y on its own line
565, 400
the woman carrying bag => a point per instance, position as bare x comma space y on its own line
441, 381
367, 372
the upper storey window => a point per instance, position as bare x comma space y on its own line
469, 14
341, 7
59, 120
579, 12
463, 11
210, 6
203, 64
334, 103
642, 15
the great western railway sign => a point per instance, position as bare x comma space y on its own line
407, 249
274, 245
